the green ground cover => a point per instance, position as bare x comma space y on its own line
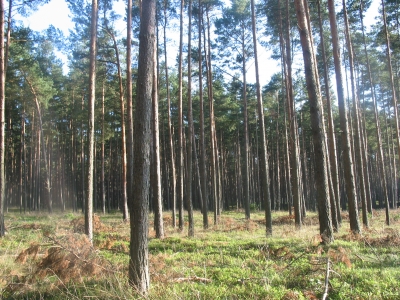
47, 257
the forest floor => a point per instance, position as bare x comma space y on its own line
47, 257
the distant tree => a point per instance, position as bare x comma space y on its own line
234, 38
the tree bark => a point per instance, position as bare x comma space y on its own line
331, 135
2, 119
139, 275
394, 98
189, 201
170, 134
91, 104
213, 158
317, 129
180, 126
125, 213
129, 106
156, 188
357, 128
264, 153
203, 169
344, 127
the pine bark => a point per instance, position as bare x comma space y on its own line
203, 169
336, 219
170, 134
156, 185
180, 125
2, 119
91, 104
394, 97
349, 179
189, 202
317, 129
139, 276
264, 153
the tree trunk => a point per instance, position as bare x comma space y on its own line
317, 129
92, 98
42, 149
264, 153
171, 138
357, 127
189, 201
331, 135
345, 141
129, 106
212, 121
294, 136
156, 188
139, 275
102, 174
180, 122
125, 213
246, 138
203, 169
394, 99
2, 119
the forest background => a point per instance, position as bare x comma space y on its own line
237, 145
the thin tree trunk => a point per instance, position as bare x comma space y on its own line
212, 121
171, 138
357, 128
125, 213
2, 119
203, 169
189, 201
92, 98
294, 136
336, 220
345, 143
102, 175
156, 188
43, 149
394, 99
180, 122
264, 153
129, 106
246, 139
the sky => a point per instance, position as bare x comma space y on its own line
56, 13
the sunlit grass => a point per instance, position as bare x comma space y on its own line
231, 260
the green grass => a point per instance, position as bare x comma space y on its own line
230, 260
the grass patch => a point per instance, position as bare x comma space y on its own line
48, 257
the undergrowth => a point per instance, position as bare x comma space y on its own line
49, 257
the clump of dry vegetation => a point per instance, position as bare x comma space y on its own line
70, 258
78, 224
